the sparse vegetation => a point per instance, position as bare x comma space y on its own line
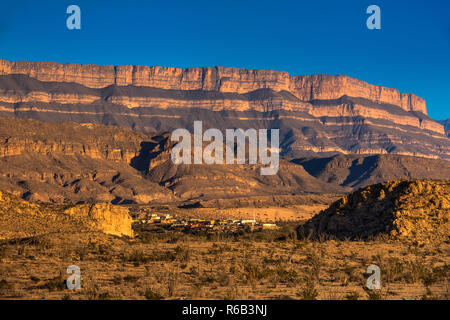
272, 264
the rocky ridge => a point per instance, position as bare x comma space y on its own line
221, 79
82, 163
413, 210
317, 115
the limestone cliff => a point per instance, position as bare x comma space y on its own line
104, 217
23, 219
221, 79
317, 114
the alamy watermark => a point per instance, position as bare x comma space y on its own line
74, 20
374, 280
74, 280
374, 20
213, 153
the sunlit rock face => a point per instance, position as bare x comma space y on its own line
316, 114
222, 79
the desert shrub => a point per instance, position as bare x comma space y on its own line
182, 254
194, 270
315, 264
149, 294
207, 278
137, 257
429, 295
254, 273
130, 278
350, 274
417, 270
373, 294
308, 291
4, 284
393, 269
117, 280
80, 253
93, 293
218, 249
353, 295
286, 276
41, 242
55, 284
3, 251
232, 292
223, 279
172, 283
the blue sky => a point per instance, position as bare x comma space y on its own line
411, 52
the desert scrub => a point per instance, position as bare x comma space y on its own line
353, 295
373, 294
5, 286
93, 292
3, 251
314, 265
137, 257
55, 284
254, 273
308, 291
287, 276
149, 294
131, 278
173, 283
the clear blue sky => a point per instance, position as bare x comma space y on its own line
411, 52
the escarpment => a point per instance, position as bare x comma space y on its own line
316, 114
221, 79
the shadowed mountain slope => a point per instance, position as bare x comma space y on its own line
357, 171
69, 162
72, 163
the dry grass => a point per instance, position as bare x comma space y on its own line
271, 265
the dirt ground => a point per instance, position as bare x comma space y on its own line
266, 214
263, 265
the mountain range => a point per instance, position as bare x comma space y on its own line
318, 115
73, 133
76, 163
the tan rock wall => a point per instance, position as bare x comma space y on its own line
222, 79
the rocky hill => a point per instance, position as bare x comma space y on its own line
416, 210
317, 114
22, 219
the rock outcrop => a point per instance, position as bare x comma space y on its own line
103, 217
23, 219
413, 210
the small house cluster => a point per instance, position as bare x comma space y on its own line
167, 222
